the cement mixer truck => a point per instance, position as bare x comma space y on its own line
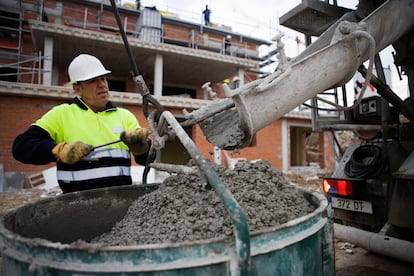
371, 192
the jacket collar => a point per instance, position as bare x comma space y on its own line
79, 102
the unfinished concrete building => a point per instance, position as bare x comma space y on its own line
175, 57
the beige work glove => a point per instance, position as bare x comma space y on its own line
71, 153
136, 140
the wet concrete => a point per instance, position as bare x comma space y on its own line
223, 129
184, 209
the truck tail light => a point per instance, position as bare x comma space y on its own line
338, 187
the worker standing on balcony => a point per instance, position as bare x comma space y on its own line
227, 44
67, 133
207, 13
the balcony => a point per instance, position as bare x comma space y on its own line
192, 54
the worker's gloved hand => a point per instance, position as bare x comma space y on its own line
136, 140
71, 153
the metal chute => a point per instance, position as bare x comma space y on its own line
231, 122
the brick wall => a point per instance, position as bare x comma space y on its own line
16, 114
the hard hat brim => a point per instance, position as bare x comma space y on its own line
86, 78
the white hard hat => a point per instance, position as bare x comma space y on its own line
85, 67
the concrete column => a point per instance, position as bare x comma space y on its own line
48, 61
285, 146
55, 75
241, 76
158, 74
58, 11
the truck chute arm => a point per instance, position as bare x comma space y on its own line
230, 123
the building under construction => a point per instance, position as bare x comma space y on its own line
175, 57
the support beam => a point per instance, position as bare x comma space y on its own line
48, 61
241, 76
158, 74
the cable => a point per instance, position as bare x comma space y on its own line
366, 162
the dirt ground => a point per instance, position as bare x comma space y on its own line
349, 259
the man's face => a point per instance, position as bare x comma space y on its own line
94, 92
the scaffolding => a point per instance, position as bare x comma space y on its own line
14, 64
18, 64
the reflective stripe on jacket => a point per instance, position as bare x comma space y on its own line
102, 163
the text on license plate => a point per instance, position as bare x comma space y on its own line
352, 205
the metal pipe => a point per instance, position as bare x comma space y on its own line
106, 144
175, 168
378, 243
239, 220
124, 38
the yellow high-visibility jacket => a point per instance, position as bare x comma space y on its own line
103, 167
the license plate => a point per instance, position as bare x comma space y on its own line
352, 205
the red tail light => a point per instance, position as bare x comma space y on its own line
338, 187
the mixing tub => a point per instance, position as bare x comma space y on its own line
48, 237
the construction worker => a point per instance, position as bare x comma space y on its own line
206, 13
227, 44
68, 132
